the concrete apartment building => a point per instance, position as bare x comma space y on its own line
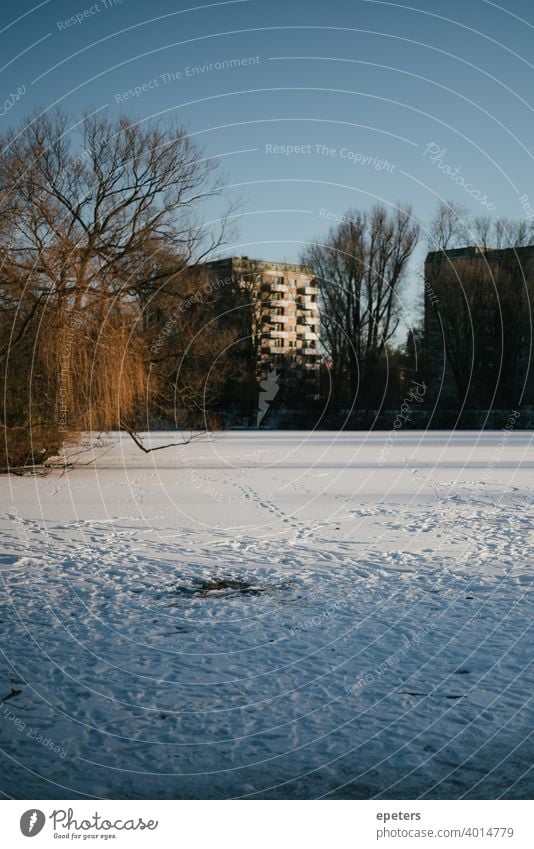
283, 319
478, 327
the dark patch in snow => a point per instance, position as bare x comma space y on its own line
8, 559
222, 588
11, 695
241, 587
409, 693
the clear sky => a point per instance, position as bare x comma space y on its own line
339, 104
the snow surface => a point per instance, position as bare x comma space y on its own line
271, 615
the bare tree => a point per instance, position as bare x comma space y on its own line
85, 206
451, 227
360, 268
448, 228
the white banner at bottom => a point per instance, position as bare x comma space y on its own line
269, 824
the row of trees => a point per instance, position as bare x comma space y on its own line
109, 319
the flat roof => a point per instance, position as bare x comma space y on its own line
479, 250
248, 262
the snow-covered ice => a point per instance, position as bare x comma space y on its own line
272, 615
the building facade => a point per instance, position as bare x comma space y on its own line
478, 328
282, 299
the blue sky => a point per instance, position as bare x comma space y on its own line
357, 91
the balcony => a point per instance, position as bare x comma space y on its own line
271, 318
308, 319
276, 302
307, 290
274, 287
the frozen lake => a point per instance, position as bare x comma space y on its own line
272, 615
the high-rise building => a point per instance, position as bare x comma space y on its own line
282, 299
478, 327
